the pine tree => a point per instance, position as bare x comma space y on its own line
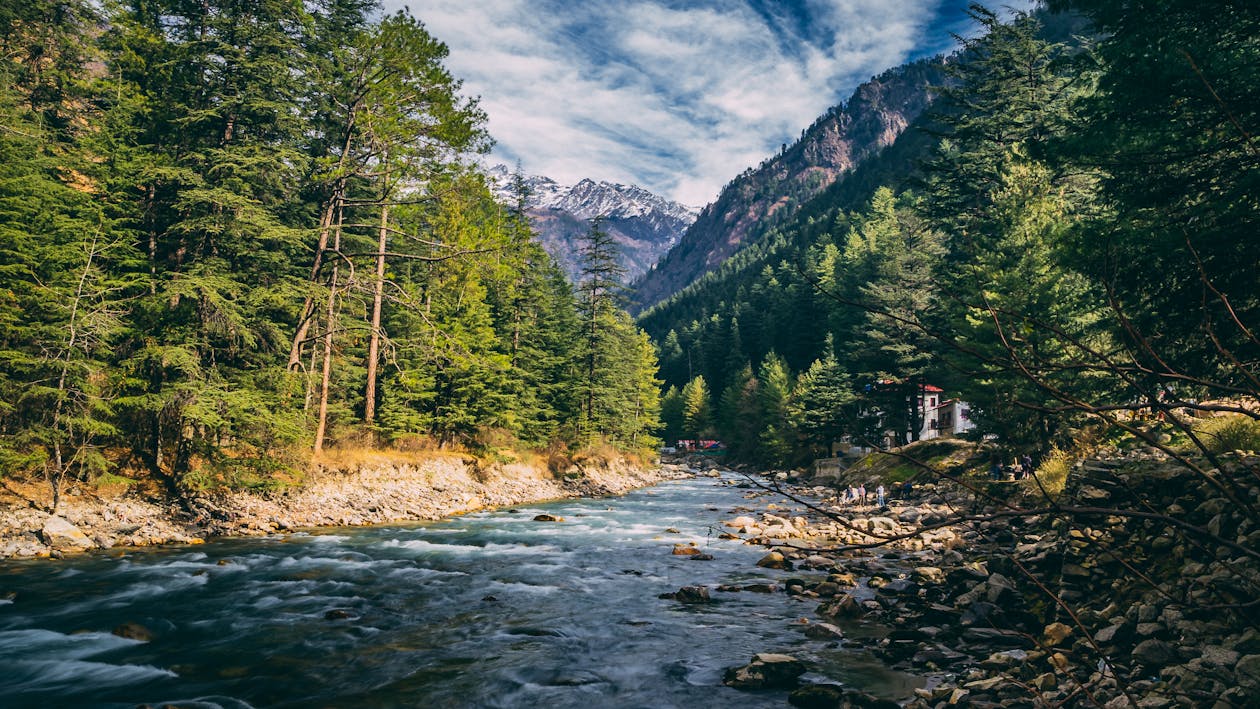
696, 411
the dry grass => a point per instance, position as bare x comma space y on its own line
1051, 476
1222, 434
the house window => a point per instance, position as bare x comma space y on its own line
933, 401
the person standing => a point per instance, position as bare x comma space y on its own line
879, 495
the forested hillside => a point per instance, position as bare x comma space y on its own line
233, 234
1067, 241
761, 198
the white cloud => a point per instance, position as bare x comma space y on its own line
678, 100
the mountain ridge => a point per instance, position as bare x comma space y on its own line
643, 224
878, 111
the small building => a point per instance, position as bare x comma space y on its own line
944, 418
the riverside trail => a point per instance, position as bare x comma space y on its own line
487, 609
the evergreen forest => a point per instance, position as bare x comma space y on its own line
235, 234
1066, 241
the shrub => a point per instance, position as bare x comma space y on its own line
1052, 474
1222, 434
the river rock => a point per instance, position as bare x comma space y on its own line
133, 631
823, 631
547, 518
774, 560
1155, 653
766, 671
63, 536
685, 550
817, 696
692, 594
1055, 634
1248, 671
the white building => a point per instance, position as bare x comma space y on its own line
943, 418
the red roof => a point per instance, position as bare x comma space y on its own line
931, 389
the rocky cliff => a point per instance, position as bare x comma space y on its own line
872, 119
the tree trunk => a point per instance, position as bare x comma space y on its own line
308, 305
321, 428
374, 343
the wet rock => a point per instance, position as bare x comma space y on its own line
547, 518
671, 530
823, 631
817, 696
774, 560
702, 557
684, 550
845, 606
761, 587
766, 671
133, 631
340, 614
690, 594
59, 534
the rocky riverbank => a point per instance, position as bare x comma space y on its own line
376, 493
1023, 610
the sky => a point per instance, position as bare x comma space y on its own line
677, 96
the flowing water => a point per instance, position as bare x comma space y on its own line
486, 610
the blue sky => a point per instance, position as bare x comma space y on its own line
678, 96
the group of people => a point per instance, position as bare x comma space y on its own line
857, 494
1019, 469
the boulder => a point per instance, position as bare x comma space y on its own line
766, 671
823, 631
692, 594
774, 560
1248, 671
547, 518
685, 550
1156, 653
929, 575
1055, 633
133, 631
845, 606
63, 536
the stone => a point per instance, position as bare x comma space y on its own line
929, 575
63, 536
761, 587
1108, 634
1248, 672
766, 671
1055, 633
340, 614
1156, 653
1219, 656
774, 560
845, 606
133, 631
823, 631
684, 550
701, 557
984, 685
693, 594
817, 696
547, 518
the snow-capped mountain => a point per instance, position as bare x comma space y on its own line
643, 224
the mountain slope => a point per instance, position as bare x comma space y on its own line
644, 225
872, 119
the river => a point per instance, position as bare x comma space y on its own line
486, 610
